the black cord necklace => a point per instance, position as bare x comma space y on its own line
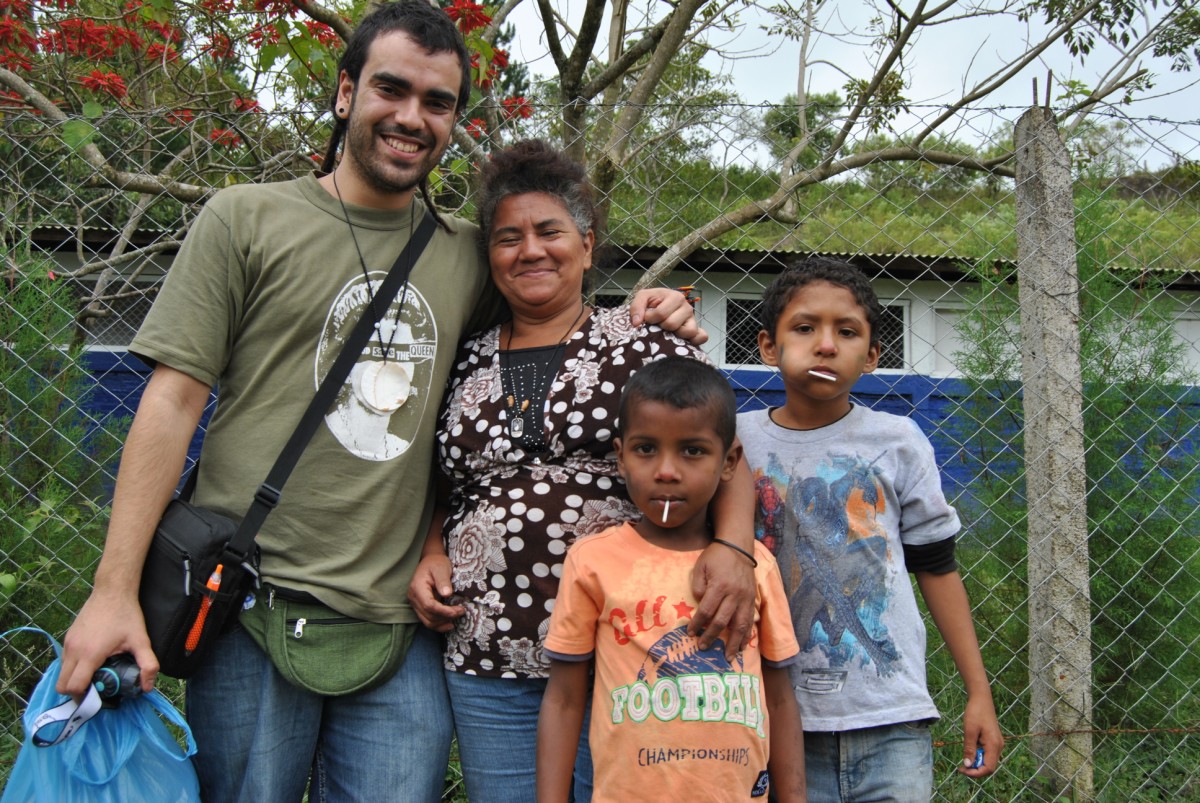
520, 398
382, 386
362, 263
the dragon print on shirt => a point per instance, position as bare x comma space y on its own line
377, 411
835, 555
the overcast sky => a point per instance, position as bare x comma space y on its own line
765, 68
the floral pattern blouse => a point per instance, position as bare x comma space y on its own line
513, 514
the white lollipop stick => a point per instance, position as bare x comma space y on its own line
666, 510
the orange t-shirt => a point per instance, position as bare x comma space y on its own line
668, 720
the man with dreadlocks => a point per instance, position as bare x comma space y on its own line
265, 288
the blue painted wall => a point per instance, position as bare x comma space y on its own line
930, 402
121, 378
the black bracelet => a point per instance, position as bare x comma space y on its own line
736, 548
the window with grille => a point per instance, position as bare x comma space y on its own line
742, 325
741, 331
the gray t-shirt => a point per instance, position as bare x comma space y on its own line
259, 301
835, 505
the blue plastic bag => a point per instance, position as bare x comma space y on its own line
119, 755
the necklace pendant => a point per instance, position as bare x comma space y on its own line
383, 386
516, 426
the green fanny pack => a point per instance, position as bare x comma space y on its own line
320, 650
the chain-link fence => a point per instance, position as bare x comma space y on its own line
720, 198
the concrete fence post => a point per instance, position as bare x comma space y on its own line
1060, 649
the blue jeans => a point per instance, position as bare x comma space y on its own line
259, 738
888, 763
495, 721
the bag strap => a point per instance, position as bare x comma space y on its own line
71, 714
267, 496
163, 739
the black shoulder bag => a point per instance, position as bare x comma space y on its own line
201, 564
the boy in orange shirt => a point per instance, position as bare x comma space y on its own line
669, 720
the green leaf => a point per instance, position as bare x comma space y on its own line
157, 10
77, 133
268, 55
91, 109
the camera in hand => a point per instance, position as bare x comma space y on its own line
117, 678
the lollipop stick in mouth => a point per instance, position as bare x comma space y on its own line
666, 510
822, 375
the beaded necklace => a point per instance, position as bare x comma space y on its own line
523, 383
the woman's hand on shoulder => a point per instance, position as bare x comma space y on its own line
432, 595
669, 309
723, 582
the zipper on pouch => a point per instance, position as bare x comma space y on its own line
298, 625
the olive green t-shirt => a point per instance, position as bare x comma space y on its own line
258, 302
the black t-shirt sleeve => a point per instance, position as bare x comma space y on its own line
935, 558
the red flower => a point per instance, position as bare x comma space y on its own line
247, 105
220, 48
469, 16
225, 138
517, 107
323, 33
164, 30
477, 128
276, 7
12, 60
13, 33
119, 36
158, 52
180, 117
217, 6
108, 82
262, 35
17, 8
499, 58
10, 99
83, 37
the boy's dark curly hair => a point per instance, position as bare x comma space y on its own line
819, 269
534, 165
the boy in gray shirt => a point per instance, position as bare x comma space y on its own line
850, 502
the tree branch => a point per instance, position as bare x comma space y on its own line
622, 64
106, 174
113, 262
328, 16
585, 41
553, 42
1006, 73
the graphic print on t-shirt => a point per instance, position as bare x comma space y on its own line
680, 681
834, 558
381, 404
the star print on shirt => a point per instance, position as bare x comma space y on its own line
682, 609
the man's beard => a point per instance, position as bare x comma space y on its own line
370, 166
